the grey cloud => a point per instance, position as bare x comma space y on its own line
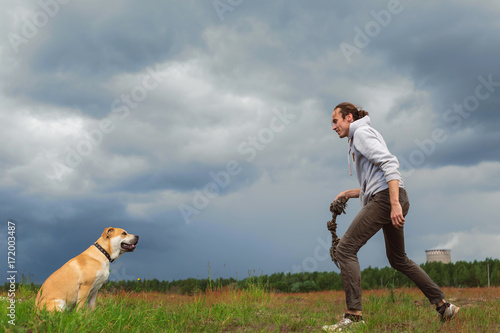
446, 55
188, 177
263, 55
82, 48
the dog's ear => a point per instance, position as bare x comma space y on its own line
107, 232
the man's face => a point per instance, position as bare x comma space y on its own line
341, 125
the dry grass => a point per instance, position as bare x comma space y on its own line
254, 310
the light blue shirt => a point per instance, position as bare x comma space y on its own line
374, 164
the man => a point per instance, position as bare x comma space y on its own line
385, 205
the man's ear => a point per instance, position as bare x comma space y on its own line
349, 118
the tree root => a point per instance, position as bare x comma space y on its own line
337, 207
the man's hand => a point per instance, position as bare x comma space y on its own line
397, 217
342, 195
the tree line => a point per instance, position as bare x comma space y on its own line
459, 274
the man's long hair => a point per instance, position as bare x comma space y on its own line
356, 111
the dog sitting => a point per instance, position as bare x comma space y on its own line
77, 282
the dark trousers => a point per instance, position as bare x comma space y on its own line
376, 215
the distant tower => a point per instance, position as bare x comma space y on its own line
443, 256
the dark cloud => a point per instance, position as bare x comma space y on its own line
449, 55
191, 176
226, 76
83, 49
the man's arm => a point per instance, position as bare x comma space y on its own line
349, 194
370, 144
397, 217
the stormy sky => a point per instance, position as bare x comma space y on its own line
204, 128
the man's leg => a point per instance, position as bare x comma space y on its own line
395, 249
366, 224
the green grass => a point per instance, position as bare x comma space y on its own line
255, 310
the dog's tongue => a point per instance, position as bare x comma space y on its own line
128, 246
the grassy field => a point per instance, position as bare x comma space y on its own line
255, 310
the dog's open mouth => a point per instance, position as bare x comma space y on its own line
128, 247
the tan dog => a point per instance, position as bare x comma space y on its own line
78, 281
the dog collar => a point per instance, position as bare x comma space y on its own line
104, 252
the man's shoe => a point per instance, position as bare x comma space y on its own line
346, 323
449, 312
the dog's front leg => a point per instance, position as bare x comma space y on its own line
92, 299
83, 294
